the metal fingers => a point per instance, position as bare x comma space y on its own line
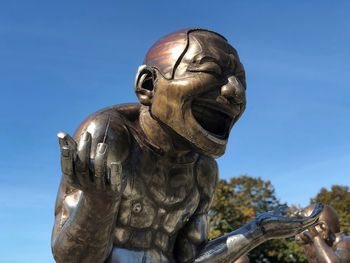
75, 159
82, 163
67, 164
100, 166
65, 139
68, 153
281, 210
314, 217
107, 179
317, 210
86, 174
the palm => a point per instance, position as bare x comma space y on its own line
92, 176
275, 225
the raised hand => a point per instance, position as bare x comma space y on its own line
92, 176
275, 225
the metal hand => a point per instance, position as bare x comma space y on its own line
275, 225
92, 176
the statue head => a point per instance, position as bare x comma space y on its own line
193, 82
329, 224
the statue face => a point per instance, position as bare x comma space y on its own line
205, 97
328, 224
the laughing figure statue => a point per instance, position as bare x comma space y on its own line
138, 179
324, 242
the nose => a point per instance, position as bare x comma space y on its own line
233, 89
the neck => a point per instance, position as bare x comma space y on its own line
159, 136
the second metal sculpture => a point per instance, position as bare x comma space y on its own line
324, 242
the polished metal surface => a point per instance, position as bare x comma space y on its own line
138, 179
324, 242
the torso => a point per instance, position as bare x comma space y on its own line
159, 198
161, 192
161, 195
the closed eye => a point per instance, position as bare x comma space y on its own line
207, 67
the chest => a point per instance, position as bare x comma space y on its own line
160, 194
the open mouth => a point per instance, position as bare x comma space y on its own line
213, 118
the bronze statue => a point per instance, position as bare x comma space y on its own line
242, 259
138, 179
324, 242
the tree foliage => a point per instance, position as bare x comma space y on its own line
240, 199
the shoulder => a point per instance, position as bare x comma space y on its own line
207, 177
109, 125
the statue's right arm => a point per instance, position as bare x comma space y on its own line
269, 225
91, 185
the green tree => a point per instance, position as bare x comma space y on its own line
239, 200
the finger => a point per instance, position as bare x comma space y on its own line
67, 164
298, 213
311, 221
100, 165
83, 157
116, 176
281, 210
317, 210
65, 139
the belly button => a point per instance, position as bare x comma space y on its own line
137, 207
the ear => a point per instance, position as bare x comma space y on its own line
144, 84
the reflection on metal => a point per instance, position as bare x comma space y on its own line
234, 241
139, 188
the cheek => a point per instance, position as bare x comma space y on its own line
166, 103
195, 84
175, 95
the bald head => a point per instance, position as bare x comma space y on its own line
166, 53
183, 73
328, 215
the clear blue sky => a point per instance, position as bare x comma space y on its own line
62, 60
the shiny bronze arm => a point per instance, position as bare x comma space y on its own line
230, 247
87, 202
323, 252
86, 235
269, 225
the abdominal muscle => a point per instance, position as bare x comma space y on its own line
123, 255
